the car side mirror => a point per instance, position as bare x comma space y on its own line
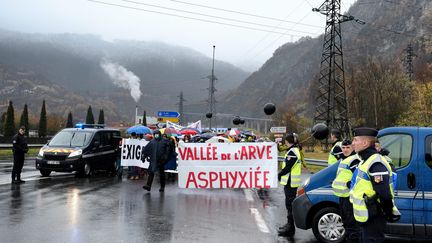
48, 141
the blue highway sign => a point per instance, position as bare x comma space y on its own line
168, 114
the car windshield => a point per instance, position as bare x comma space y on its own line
71, 139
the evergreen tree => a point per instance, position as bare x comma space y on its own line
69, 122
2, 122
24, 121
90, 117
144, 120
43, 122
9, 127
101, 119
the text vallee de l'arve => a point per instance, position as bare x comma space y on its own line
247, 152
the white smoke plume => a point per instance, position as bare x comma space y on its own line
123, 78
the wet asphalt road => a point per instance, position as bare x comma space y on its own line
63, 208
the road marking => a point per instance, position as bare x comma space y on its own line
262, 226
248, 195
33, 176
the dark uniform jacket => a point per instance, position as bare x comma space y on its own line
158, 151
19, 144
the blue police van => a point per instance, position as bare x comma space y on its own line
410, 149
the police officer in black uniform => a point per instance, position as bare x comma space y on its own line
380, 207
19, 149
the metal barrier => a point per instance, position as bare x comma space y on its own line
9, 146
318, 162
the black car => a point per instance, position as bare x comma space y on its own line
84, 149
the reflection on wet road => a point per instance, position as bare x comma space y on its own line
63, 208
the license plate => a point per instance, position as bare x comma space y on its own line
53, 162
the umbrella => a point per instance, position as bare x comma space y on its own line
234, 132
190, 131
139, 129
218, 139
169, 131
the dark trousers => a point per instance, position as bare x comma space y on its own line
18, 164
290, 194
161, 170
352, 228
373, 229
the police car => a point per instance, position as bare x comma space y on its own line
84, 149
410, 149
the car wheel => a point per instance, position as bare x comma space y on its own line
87, 170
45, 173
327, 225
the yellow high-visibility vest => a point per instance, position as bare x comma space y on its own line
295, 170
343, 176
363, 187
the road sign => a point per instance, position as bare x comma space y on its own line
165, 119
278, 129
168, 114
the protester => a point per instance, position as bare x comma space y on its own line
157, 151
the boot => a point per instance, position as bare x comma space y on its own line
19, 179
162, 189
148, 188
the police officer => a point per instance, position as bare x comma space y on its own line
341, 185
19, 149
372, 194
289, 177
336, 150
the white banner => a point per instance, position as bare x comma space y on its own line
131, 153
223, 165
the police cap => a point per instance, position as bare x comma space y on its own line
365, 131
346, 142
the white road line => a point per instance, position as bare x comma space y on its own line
248, 195
262, 226
33, 176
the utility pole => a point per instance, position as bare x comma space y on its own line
331, 104
409, 61
212, 90
180, 108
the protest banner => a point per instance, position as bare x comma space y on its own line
131, 153
227, 165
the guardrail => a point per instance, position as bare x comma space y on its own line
318, 162
9, 146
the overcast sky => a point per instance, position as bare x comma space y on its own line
247, 48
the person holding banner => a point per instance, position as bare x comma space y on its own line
289, 177
157, 151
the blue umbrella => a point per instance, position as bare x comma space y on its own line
139, 129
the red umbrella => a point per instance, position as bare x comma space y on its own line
189, 131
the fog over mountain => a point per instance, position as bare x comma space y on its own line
124, 73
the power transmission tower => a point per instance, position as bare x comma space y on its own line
180, 109
409, 66
212, 100
331, 104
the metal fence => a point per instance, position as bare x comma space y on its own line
318, 162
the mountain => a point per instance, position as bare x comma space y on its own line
285, 79
74, 65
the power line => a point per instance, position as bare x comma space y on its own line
243, 13
265, 48
214, 16
266, 35
191, 18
